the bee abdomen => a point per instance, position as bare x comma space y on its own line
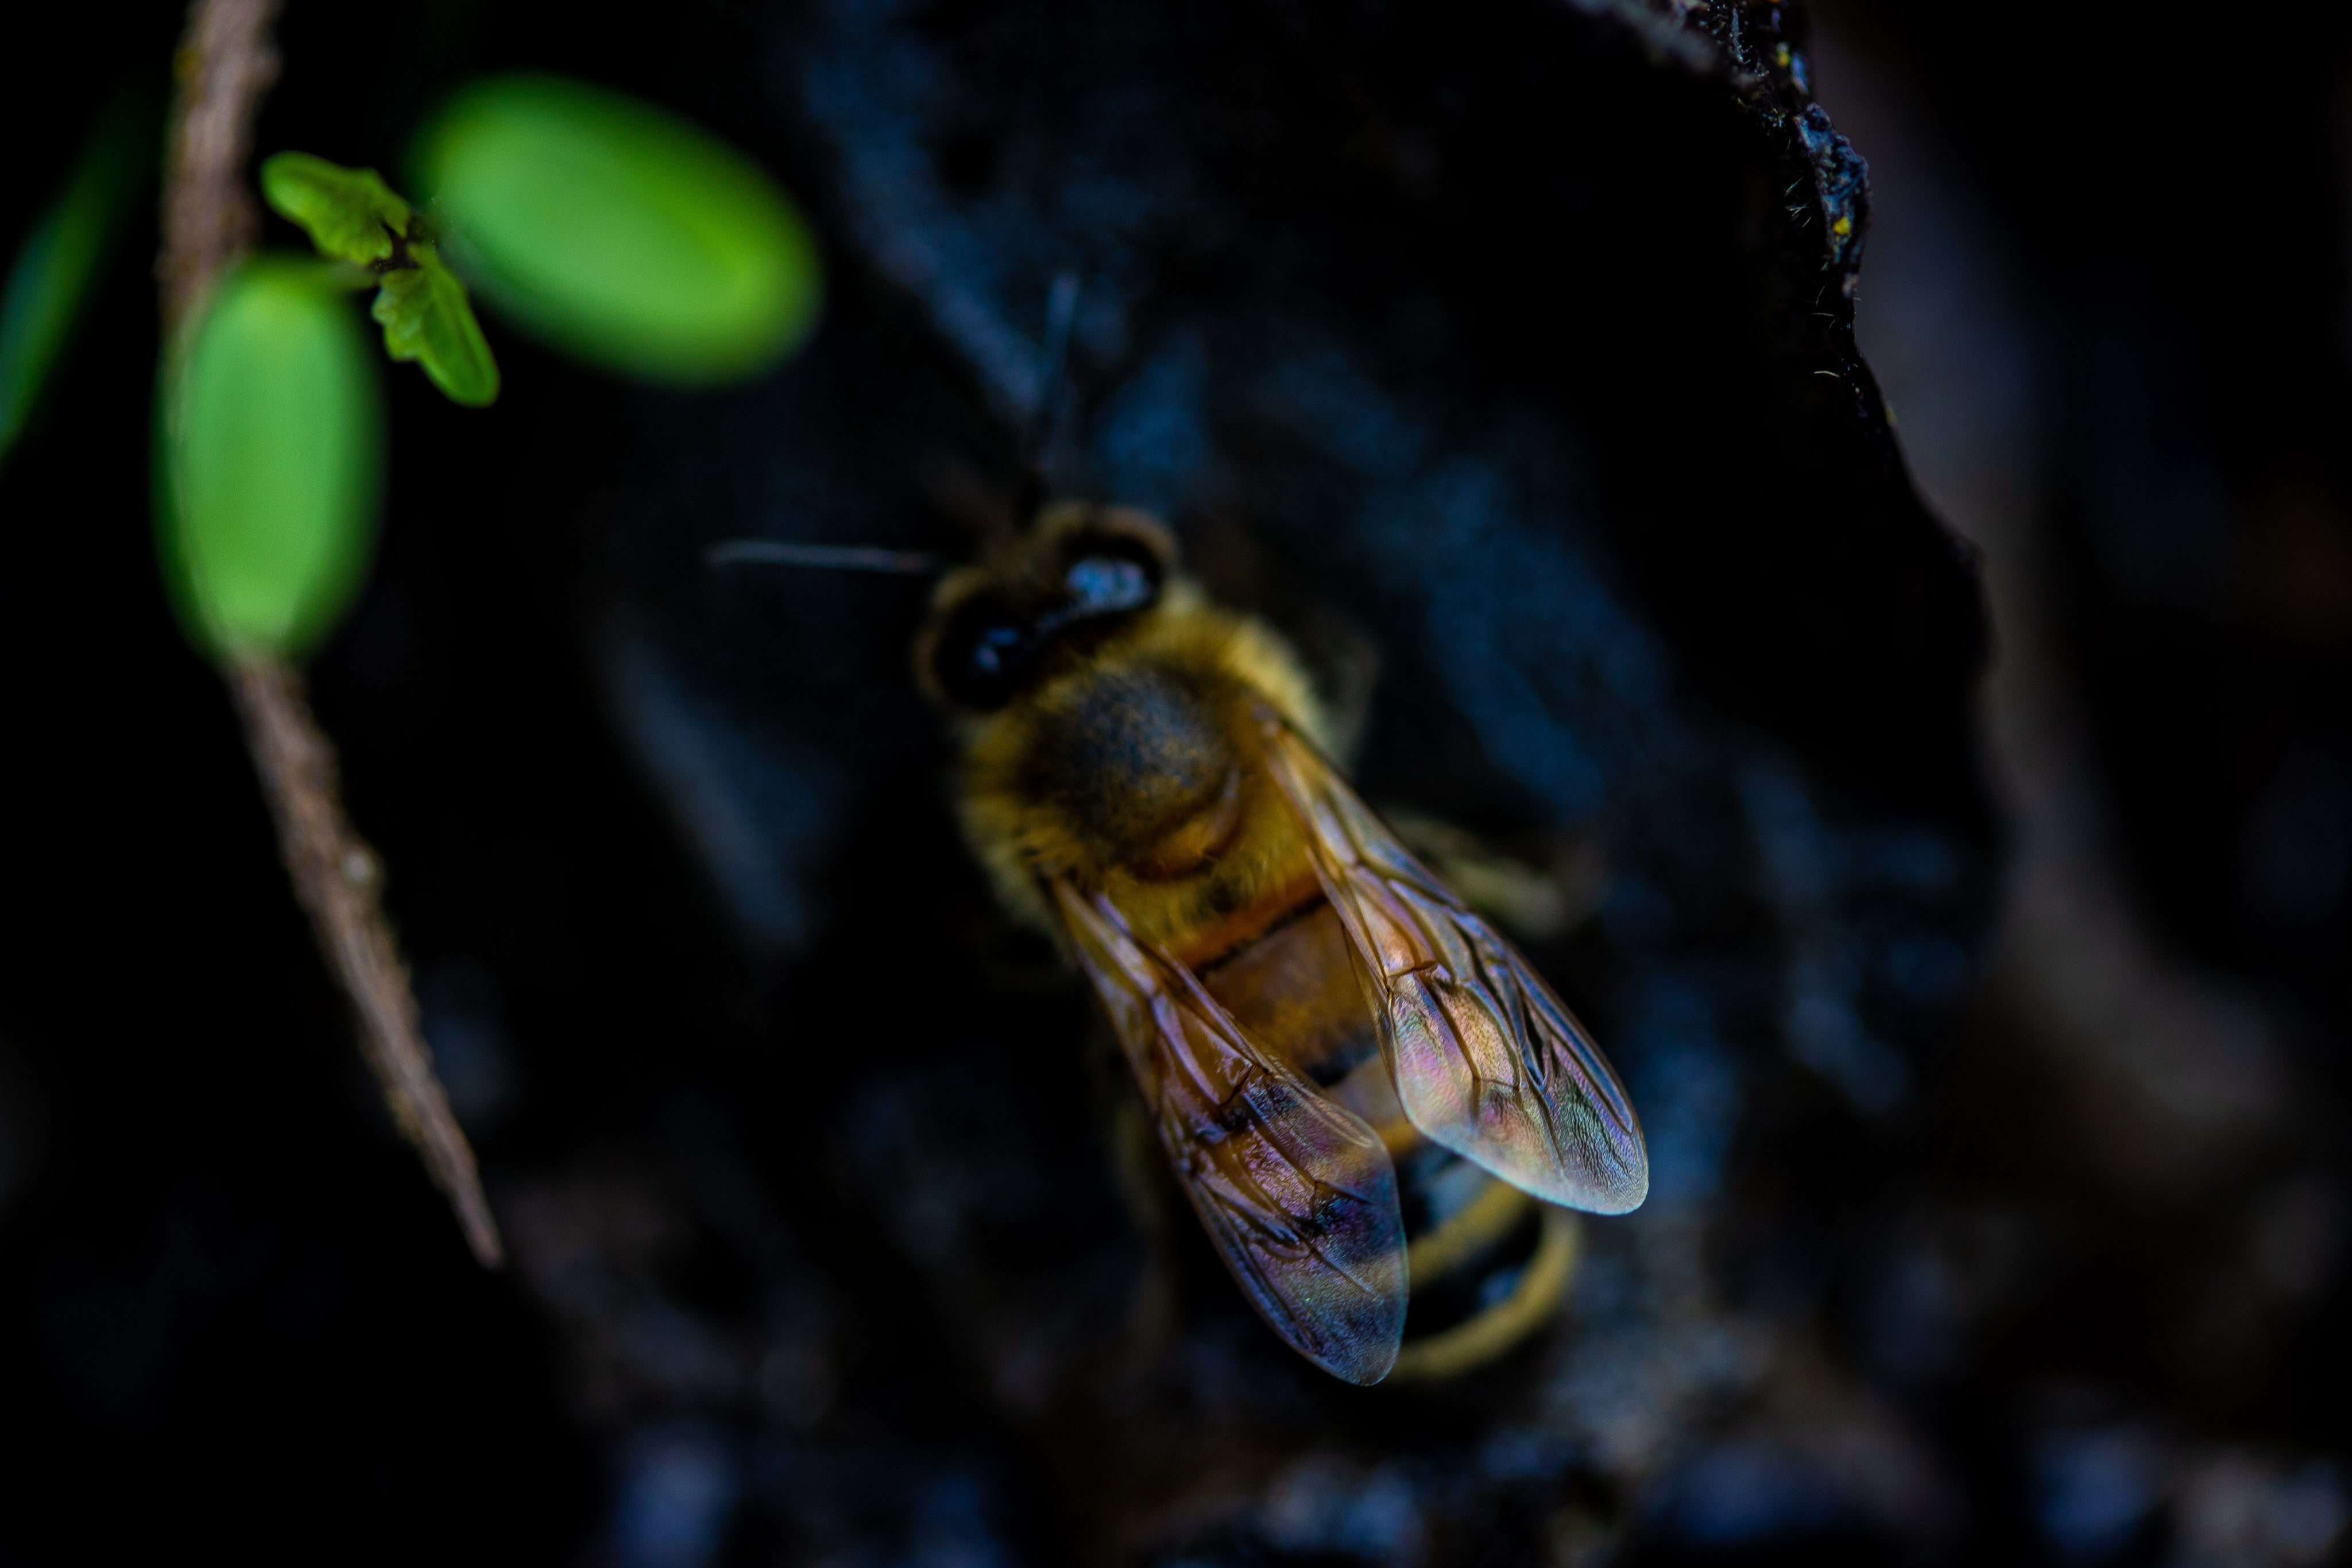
1489, 1265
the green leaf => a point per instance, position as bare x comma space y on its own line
354, 215
426, 319
61, 256
616, 232
351, 214
271, 437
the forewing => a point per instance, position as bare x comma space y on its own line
1488, 1062
1297, 1192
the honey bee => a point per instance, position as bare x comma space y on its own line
1359, 1083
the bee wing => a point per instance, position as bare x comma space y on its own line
1296, 1191
1488, 1062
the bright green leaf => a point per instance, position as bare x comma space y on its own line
61, 255
271, 440
351, 214
426, 319
354, 215
617, 232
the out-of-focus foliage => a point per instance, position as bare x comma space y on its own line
271, 444
618, 232
59, 258
352, 215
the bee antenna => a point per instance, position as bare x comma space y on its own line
825, 558
1045, 420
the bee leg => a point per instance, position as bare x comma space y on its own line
1533, 1301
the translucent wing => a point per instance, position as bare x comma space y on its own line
1296, 1191
1487, 1060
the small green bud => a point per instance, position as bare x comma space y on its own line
350, 214
425, 317
353, 216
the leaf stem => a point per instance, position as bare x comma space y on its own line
224, 65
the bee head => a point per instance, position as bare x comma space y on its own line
1080, 573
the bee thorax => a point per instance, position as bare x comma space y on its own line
1137, 764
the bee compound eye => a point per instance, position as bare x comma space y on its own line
994, 651
981, 658
1106, 584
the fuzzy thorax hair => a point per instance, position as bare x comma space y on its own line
1137, 770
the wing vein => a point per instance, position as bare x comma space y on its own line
1296, 1192
1487, 1059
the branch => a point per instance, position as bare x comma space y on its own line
337, 879
224, 65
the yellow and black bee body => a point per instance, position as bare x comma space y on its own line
1360, 1086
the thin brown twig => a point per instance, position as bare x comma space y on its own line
225, 64
337, 879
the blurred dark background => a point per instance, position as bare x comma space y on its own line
1969, 770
